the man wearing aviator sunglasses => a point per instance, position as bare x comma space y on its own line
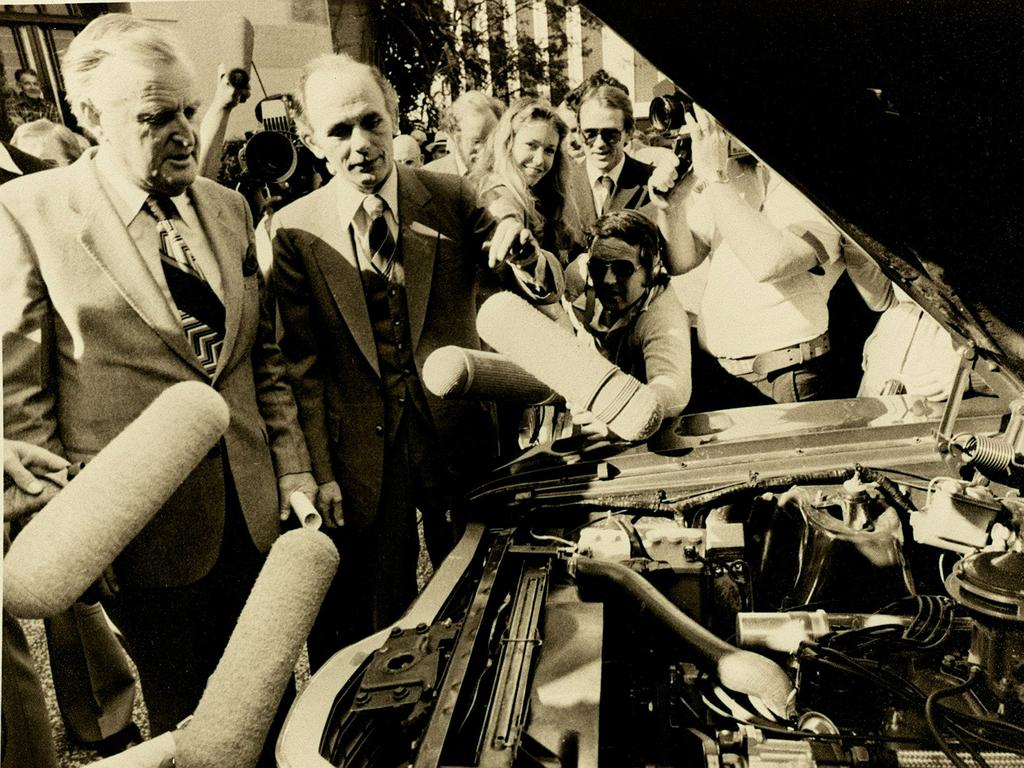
618, 298
608, 179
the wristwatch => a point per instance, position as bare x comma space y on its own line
720, 177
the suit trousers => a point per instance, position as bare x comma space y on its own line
376, 580
92, 675
176, 635
26, 740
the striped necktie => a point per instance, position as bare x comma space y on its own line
605, 185
200, 309
382, 245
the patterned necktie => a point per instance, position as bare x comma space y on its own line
199, 308
605, 184
382, 245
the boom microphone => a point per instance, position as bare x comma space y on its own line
79, 533
584, 378
236, 46
456, 372
231, 722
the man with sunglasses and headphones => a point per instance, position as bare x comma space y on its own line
617, 297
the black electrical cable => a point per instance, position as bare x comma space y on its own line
933, 725
963, 734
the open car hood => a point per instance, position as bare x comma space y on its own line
900, 120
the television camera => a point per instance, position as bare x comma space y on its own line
271, 167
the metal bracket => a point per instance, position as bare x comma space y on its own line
944, 434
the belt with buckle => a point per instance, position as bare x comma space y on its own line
759, 366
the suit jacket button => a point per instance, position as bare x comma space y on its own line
379, 429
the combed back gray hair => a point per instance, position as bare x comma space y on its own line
114, 36
469, 103
342, 65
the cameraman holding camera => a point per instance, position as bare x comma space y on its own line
773, 260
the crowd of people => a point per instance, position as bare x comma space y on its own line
125, 271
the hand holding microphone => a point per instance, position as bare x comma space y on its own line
32, 476
238, 36
551, 354
83, 529
511, 242
231, 90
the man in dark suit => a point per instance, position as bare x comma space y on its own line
372, 273
124, 274
608, 179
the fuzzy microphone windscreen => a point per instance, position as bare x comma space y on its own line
578, 373
79, 533
235, 42
456, 372
236, 710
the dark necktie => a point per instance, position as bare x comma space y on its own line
382, 245
606, 184
199, 308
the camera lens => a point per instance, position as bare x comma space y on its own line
668, 113
269, 157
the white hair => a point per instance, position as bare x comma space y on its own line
114, 37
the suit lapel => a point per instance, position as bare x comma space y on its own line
335, 254
631, 189
108, 243
419, 247
226, 248
583, 194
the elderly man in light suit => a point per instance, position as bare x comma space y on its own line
124, 274
372, 273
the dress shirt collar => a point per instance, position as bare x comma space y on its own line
593, 174
7, 162
129, 198
350, 200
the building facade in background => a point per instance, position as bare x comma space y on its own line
508, 47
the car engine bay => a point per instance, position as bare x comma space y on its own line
847, 615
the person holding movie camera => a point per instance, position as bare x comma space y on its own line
773, 259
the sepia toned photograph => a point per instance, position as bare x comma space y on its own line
512, 384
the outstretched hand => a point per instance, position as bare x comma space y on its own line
511, 241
